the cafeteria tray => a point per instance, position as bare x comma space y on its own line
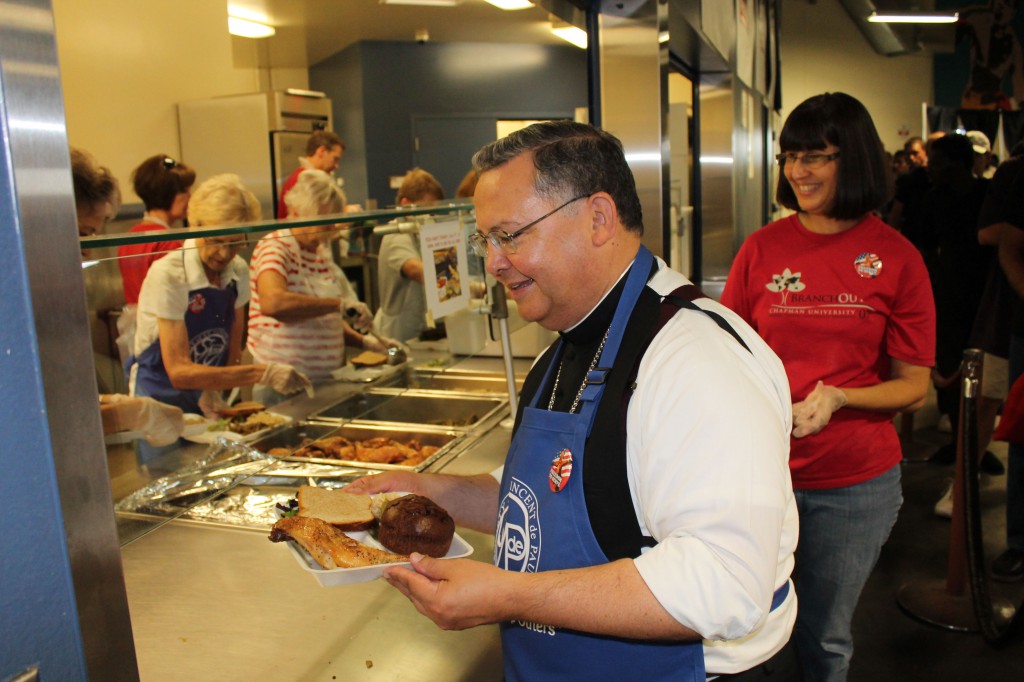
295, 437
430, 408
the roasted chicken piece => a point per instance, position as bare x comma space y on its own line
328, 546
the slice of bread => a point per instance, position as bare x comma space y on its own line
369, 358
242, 409
345, 511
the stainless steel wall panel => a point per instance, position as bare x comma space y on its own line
65, 607
634, 105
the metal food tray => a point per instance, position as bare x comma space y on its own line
453, 380
415, 407
251, 504
446, 439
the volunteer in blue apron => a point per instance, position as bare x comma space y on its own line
644, 521
191, 315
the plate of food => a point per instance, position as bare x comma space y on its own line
343, 538
243, 422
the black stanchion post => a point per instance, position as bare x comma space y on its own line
945, 602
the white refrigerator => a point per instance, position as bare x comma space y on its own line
258, 136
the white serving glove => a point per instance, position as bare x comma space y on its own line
286, 379
358, 315
211, 403
813, 413
379, 344
159, 423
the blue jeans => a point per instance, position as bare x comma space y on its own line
842, 531
1015, 464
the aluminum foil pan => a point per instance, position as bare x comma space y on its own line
234, 485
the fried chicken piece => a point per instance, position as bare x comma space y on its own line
328, 546
381, 451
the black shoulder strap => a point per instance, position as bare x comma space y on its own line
618, 531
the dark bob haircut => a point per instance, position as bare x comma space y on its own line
571, 159
863, 174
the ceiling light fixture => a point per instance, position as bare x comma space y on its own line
570, 33
511, 4
422, 3
246, 28
913, 17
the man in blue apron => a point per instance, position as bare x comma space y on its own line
644, 521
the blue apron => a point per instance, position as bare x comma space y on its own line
541, 530
208, 319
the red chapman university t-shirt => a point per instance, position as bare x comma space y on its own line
836, 308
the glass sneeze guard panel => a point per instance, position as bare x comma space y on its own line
189, 476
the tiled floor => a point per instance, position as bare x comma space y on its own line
892, 645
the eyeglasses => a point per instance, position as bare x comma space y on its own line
812, 160
500, 239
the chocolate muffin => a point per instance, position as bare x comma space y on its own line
414, 523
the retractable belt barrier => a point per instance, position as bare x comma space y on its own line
997, 621
947, 603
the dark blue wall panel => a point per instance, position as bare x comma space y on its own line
398, 81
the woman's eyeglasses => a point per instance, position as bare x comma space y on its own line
500, 239
811, 160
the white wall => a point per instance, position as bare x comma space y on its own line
126, 65
824, 51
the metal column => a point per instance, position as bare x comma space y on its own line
65, 611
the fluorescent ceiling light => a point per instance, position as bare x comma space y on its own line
570, 33
422, 3
511, 4
249, 29
913, 18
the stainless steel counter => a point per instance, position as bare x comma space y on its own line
210, 603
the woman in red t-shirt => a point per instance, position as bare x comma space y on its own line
164, 185
845, 301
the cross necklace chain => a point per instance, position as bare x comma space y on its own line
579, 393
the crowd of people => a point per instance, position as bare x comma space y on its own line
675, 545
193, 306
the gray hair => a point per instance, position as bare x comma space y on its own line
314, 193
571, 160
222, 200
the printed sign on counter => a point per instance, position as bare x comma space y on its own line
443, 244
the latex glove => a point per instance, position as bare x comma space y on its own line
379, 344
160, 424
286, 379
211, 403
358, 315
813, 413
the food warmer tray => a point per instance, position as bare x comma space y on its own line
418, 407
292, 438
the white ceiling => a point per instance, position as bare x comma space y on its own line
309, 31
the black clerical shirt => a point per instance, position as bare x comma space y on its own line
606, 488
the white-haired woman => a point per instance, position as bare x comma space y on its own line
192, 310
300, 295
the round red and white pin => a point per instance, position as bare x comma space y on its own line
868, 265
